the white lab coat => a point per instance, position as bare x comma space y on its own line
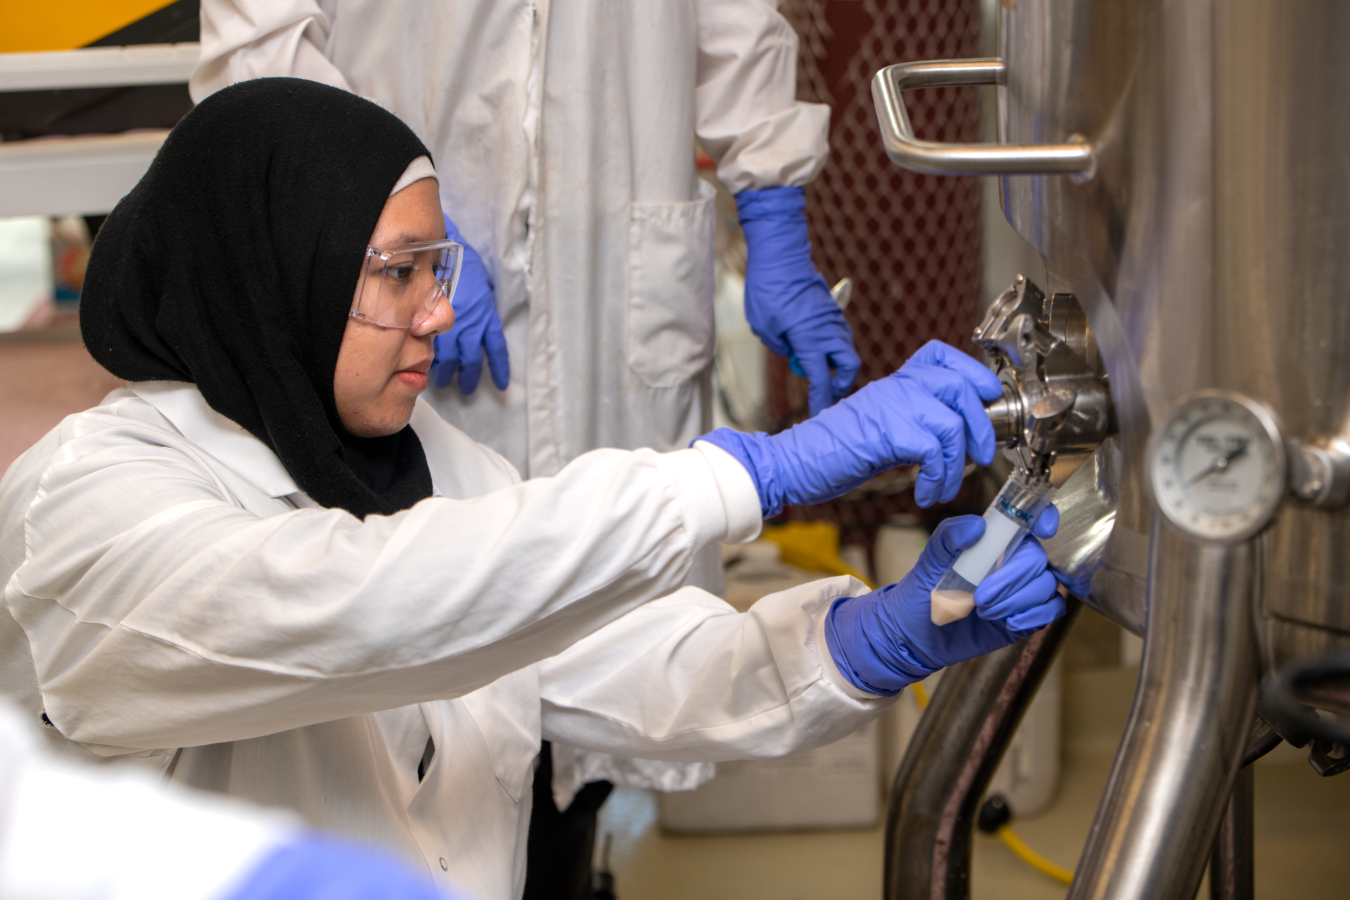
168, 586
563, 137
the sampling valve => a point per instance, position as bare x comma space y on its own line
1053, 399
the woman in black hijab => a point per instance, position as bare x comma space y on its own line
231, 266
237, 579
267, 569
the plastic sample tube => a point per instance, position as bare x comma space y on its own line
1008, 518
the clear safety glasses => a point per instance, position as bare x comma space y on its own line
402, 286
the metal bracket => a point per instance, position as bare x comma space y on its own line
1319, 474
1329, 758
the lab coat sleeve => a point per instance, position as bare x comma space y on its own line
688, 678
160, 613
243, 39
748, 117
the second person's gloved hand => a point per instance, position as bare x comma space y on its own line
886, 640
477, 327
787, 302
930, 412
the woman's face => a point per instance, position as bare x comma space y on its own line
380, 371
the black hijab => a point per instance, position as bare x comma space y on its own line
232, 265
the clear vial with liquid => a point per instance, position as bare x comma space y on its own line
1007, 520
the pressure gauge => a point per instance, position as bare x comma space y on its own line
1217, 467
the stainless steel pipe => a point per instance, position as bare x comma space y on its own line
1187, 731
1005, 414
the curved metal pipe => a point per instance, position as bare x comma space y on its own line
1187, 732
951, 759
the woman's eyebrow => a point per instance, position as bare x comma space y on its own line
408, 237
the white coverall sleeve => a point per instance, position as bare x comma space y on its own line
688, 678
747, 114
243, 39
160, 614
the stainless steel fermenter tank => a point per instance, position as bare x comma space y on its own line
1183, 167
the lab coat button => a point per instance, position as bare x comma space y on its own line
445, 866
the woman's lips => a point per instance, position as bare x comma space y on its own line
413, 379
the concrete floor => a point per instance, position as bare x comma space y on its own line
1301, 824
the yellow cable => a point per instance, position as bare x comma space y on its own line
1032, 858
1015, 843
920, 695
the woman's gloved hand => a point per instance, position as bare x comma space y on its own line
477, 327
930, 412
886, 640
787, 302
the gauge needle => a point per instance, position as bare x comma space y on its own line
1220, 463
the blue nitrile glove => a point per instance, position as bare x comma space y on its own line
886, 640
477, 327
787, 302
930, 412
322, 868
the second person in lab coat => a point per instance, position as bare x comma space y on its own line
571, 127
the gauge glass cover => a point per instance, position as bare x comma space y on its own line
1218, 467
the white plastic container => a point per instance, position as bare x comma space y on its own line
835, 786
899, 544
26, 274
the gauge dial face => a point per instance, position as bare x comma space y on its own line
1218, 467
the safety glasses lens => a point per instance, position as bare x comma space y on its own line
400, 288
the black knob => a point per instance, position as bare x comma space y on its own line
994, 814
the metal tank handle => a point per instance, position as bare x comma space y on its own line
934, 158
